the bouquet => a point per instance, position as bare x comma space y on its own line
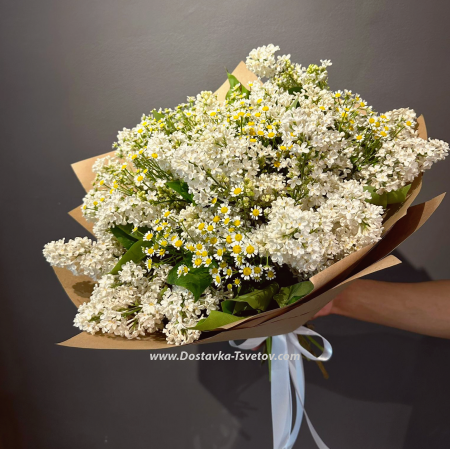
241, 213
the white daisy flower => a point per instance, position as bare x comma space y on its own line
256, 212
217, 280
148, 236
236, 191
182, 270
247, 272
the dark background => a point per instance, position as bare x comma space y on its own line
72, 74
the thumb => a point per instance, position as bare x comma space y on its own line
325, 311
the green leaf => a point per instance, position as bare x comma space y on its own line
388, 198
196, 280
260, 298
228, 306
237, 308
157, 115
181, 188
233, 83
215, 320
243, 309
294, 104
291, 294
134, 253
377, 199
123, 237
172, 276
398, 196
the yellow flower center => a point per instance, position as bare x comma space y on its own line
250, 249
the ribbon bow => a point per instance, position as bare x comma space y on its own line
282, 373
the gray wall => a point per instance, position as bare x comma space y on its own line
72, 74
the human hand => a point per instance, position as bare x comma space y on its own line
325, 311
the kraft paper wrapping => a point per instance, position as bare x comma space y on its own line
400, 222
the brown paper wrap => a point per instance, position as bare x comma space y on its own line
400, 222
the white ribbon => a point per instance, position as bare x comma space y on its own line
283, 372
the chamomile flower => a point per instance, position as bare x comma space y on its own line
219, 254
247, 272
237, 237
236, 249
237, 222
256, 212
139, 179
182, 270
148, 236
177, 242
258, 271
197, 261
217, 280
237, 190
250, 250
